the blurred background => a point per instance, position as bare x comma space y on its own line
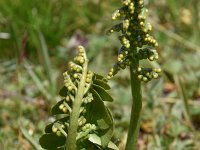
38, 38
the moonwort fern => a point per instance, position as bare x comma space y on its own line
137, 45
83, 121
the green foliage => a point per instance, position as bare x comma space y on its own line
52, 141
84, 94
163, 123
48, 16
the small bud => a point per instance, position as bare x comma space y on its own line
84, 120
88, 80
158, 70
81, 61
71, 65
58, 133
156, 44
89, 100
115, 14
85, 101
108, 77
78, 70
88, 125
145, 79
93, 127
70, 88
155, 75
67, 98
156, 57
64, 110
84, 128
54, 129
141, 2
139, 69
81, 49
80, 123
142, 23
75, 75
140, 76
151, 58
61, 106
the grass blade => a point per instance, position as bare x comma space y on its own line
37, 81
30, 139
47, 63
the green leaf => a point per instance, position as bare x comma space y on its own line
97, 140
102, 124
107, 134
110, 115
99, 114
101, 84
63, 91
87, 145
55, 110
52, 141
102, 93
48, 128
97, 76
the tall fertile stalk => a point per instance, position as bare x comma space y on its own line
137, 45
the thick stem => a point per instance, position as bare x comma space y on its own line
134, 125
73, 126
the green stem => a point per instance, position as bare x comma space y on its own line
47, 62
134, 125
184, 96
73, 125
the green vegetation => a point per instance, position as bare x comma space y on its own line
86, 123
38, 38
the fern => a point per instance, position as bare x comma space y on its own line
84, 120
137, 45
